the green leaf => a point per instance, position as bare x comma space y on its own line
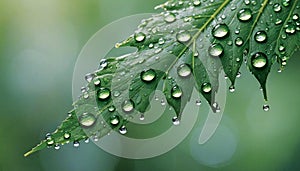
184, 47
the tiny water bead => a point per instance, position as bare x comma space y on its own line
183, 36
97, 81
123, 130
285, 3
184, 70
56, 146
277, 7
295, 17
232, 89
76, 144
139, 37
103, 93
114, 120
260, 36
266, 108
259, 60
89, 77
148, 75
67, 135
239, 41
197, 2
216, 50
128, 106
111, 108
220, 31
49, 140
176, 92
169, 18
198, 102
290, 29
175, 121
103, 64
206, 87
87, 120
244, 14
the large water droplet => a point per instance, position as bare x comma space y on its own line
259, 60
175, 121
220, 31
183, 36
176, 92
260, 36
169, 18
87, 120
123, 130
206, 87
239, 41
148, 75
184, 70
114, 120
103, 93
216, 50
139, 37
277, 7
128, 106
244, 14
266, 108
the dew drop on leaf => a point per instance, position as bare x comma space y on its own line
244, 14
112, 108
197, 2
76, 144
175, 121
220, 31
103, 64
232, 89
49, 140
142, 117
290, 29
128, 106
216, 50
198, 102
295, 17
67, 135
169, 18
123, 130
285, 3
206, 87
266, 108
259, 60
87, 120
260, 36
162, 102
238, 75
184, 70
116, 93
239, 41
86, 95
176, 92
103, 93
114, 120
148, 75
56, 146
183, 36
277, 7
89, 77
139, 37
97, 81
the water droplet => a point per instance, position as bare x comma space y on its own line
260, 36
87, 120
162, 102
281, 48
277, 7
139, 37
103, 93
216, 50
161, 41
142, 117
206, 87
97, 81
76, 144
128, 106
103, 64
278, 21
86, 95
169, 18
67, 135
247, 2
89, 77
239, 74
148, 75
197, 2
239, 41
290, 29
176, 92
123, 130
112, 108
49, 140
295, 17
220, 31
285, 3
244, 14
198, 102
87, 140
259, 60
114, 120
184, 70
266, 108
151, 45
232, 89
175, 121
183, 36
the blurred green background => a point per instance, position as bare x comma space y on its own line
40, 41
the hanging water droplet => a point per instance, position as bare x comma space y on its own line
206, 87
244, 14
139, 37
56, 146
197, 2
259, 60
220, 31
67, 135
266, 107
183, 36
216, 50
76, 144
169, 18
184, 70
295, 17
260, 36
114, 120
277, 7
49, 140
232, 89
87, 120
198, 102
89, 77
123, 130
87, 140
97, 81
148, 75
175, 121
176, 92
103, 93
239, 41
128, 106
162, 102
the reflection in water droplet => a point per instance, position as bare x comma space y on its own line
139, 37
184, 70
216, 50
123, 130
67, 135
244, 14
128, 106
112, 108
175, 121
206, 87
239, 41
266, 108
232, 89
169, 18
259, 60
103, 93
148, 75
176, 92
183, 36
114, 120
260, 36
76, 144
220, 31
87, 120
97, 81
